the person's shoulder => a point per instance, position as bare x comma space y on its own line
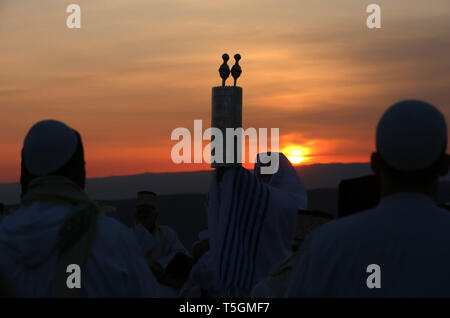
39, 207
440, 219
30, 215
443, 212
347, 228
342, 224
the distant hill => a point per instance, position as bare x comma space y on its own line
124, 187
317, 176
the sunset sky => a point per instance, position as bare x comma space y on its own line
137, 69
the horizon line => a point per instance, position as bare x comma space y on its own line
201, 170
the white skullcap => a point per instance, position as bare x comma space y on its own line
411, 135
48, 146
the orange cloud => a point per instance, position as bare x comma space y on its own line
138, 69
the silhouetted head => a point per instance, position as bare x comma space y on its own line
411, 140
225, 57
281, 175
237, 57
146, 209
51, 148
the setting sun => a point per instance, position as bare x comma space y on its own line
296, 154
295, 157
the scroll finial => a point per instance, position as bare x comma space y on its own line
236, 70
224, 69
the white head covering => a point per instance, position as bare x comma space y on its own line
411, 135
48, 146
286, 178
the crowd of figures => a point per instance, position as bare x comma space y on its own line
261, 241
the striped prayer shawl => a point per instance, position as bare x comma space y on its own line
238, 227
250, 224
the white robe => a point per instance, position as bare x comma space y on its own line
406, 235
148, 242
251, 224
28, 257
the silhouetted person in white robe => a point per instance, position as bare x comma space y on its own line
250, 220
401, 248
58, 224
160, 244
